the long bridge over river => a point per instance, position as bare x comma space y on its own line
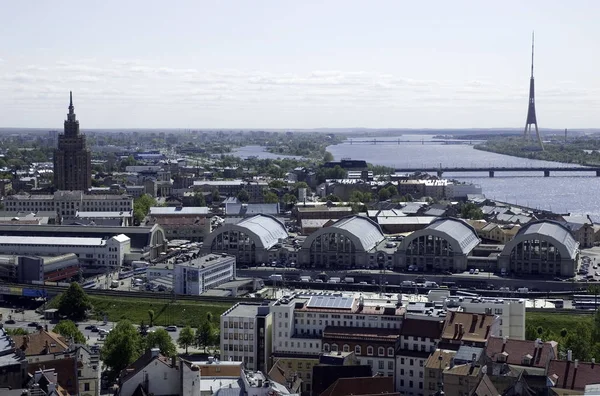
492, 170
405, 141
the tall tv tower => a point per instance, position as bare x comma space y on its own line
531, 118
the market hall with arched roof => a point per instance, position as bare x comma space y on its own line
249, 240
350, 242
443, 245
542, 247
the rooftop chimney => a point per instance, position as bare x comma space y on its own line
154, 352
576, 363
593, 362
569, 355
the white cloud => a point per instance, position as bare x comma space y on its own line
194, 94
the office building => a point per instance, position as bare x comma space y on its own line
246, 335
72, 159
202, 273
96, 255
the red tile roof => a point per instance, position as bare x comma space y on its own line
40, 343
364, 386
422, 328
564, 374
516, 350
463, 326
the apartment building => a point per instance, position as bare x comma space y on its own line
68, 203
306, 325
510, 311
419, 337
246, 335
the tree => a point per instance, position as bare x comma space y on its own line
564, 332
204, 335
74, 303
141, 206
270, 197
69, 330
151, 317
578, 341
277, 184
333, 198
199, 199
530, 333
162, 340
328, 157
289, 199
243, 195
186, 338
215, 196
16, 331
384, 194
393, 190
122, 347
470, 211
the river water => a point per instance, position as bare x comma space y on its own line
565, 192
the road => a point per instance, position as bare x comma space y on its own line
93, 338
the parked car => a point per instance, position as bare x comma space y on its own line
33, 324
10, 321
171, 328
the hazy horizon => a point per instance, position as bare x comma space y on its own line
278, 65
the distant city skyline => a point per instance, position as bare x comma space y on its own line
298, 65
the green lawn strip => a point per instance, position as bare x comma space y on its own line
555, 322
166, 312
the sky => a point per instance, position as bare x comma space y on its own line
298, 64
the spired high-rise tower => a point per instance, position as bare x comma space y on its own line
72, 159
531, 117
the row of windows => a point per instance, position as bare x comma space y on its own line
236, 348
237, 325
357, 349
235, 336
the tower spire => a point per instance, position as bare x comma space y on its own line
531, 117
532, 44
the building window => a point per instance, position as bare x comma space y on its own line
390, 351
334, 347
381, 351
381, 365
370, 350
326, 347
357, 350
346, 348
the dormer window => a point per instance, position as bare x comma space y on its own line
527, 360
501, 358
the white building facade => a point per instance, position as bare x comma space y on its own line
245, 332
96, 255
68, 203
196, 276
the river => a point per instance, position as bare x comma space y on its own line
566, 192
569, 192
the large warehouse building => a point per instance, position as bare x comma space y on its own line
442, 245
349, 242
542, 247
249, 240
